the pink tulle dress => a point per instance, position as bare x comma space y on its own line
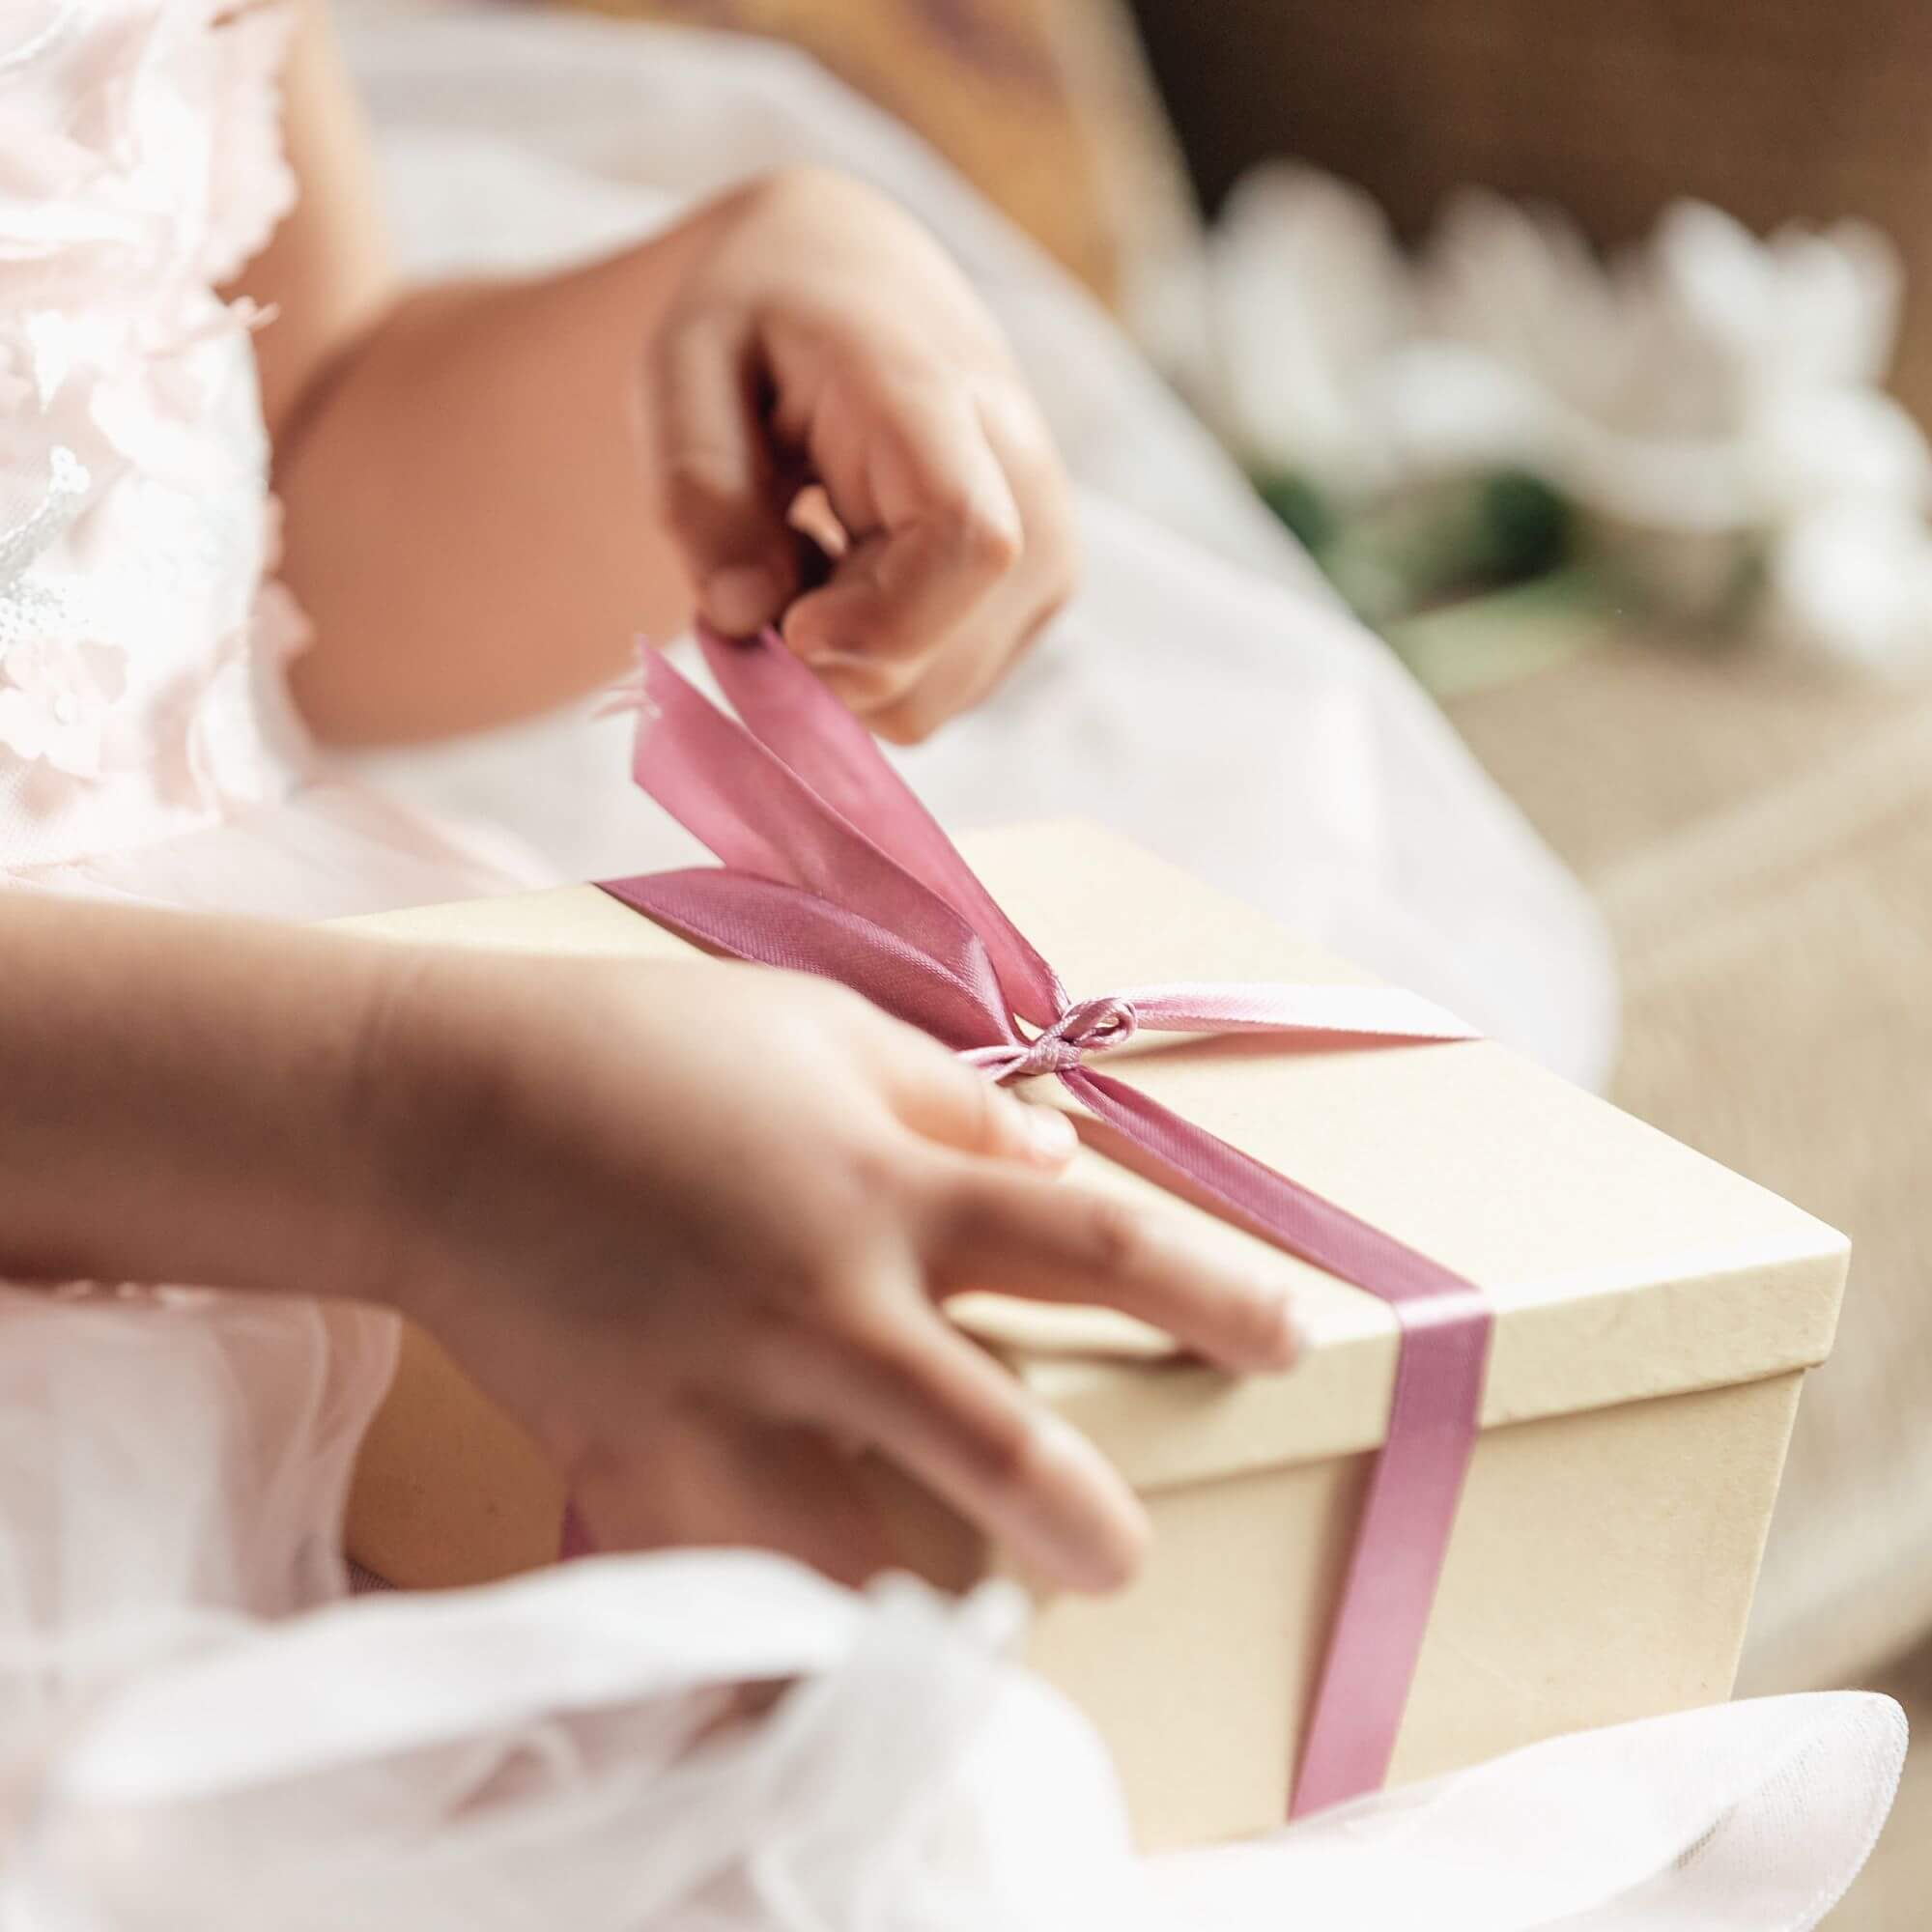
199, 1728
147, 747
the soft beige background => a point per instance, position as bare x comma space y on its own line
1044, 104
1761, 840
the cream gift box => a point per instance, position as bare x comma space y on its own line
1654, 1315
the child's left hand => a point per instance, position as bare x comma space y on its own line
814, 334
491, 488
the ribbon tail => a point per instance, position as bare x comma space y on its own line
1336, 1014
747, 806
1435, 1414
1401, 1542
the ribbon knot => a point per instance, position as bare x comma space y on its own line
1090, 1026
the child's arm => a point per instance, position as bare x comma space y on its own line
174, 1094
491, 489
690, 1223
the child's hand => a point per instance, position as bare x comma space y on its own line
815, 334
693, 1224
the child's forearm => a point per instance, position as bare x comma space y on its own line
468, 521
178, 1099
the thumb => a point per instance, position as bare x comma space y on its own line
943, 1099
714, 476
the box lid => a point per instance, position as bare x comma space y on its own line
1623, 1266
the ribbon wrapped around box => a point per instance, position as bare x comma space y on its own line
1306, 1619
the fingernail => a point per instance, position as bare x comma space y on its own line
1051, 1135
742, 597
1287, 1333
823, 656
1114, 1536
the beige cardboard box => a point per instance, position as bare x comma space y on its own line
1654, 1317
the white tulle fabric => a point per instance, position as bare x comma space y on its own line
198, 1726
193, 1735
141, 646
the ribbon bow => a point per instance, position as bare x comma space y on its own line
831, 866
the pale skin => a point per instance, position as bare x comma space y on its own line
695, 1225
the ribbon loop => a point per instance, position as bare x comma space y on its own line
1094, 1026
1090, 1026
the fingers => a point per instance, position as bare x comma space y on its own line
987, 1223
720, 1479
963, 672
716, 474
1027, 1236
936, 529
951, 1416
943, 1099
965, 550
1003, 628
977, 1117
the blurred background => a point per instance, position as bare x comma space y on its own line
1584, 349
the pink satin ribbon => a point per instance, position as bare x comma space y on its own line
831, 866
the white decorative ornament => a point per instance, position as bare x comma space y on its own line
1707, 400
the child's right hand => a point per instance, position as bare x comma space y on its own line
693, 1225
